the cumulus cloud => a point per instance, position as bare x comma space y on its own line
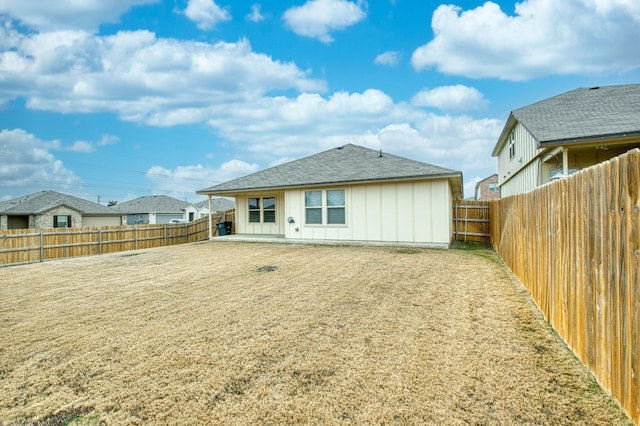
390, 58
184, 181
136, 75
67, 14
317, 18
206, 13
542, 37
255, 15
26, 162
450, 98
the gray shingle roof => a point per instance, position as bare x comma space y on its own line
40, 202
348, 164
152, 204
218, 204
584, 113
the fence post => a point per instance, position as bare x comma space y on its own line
135, 238
165, 234
100, 241
41, 246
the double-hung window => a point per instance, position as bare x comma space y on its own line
325, 207
262, 210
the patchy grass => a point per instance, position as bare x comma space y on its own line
192, 334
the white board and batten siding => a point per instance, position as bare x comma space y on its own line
403, 212
243, 226
518, 174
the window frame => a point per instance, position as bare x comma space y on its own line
261, 210
325, 208
512, 144
56, 221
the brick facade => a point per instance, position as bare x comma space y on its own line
488, 189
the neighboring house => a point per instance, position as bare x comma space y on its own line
51, 209
488, 189
201, 209
153, 209
349, 193
563, 134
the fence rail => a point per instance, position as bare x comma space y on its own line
575, 245
471, 221
38, 245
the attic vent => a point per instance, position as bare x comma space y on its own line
594, 88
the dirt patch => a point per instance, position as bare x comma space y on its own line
197, 334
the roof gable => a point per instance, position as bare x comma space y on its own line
348, 164
580, 115
40, 202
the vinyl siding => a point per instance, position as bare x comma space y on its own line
412, 212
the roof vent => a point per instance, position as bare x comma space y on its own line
594, 88
380, 153
340, 147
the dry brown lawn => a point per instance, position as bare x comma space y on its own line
256, 333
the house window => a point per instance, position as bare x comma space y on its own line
493, 187
335, 206
313, 207
325, 207
512, 144
62, 221
262, 210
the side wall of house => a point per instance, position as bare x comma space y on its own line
243, 226
407, 212
518, 173
101, 221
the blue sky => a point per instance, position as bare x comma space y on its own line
121, 99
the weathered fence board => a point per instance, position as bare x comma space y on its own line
37, 245
575, 245
471, 221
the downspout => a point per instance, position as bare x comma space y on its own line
210, 220
565, 161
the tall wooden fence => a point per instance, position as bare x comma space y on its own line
37, 245
471, 221
575, 245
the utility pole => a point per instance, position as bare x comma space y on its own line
98, 198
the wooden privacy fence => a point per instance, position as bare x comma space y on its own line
575, 245
37, 245
471, 221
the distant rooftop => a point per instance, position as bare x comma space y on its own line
40, 202
152, 204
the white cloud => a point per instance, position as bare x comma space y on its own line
67, 14
390, 57
184, 181
137, 76
206, 13
543, 37
317, 18
26, 163
87, 146
255, 15
451, 98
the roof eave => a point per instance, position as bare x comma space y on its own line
590, 138
502, 139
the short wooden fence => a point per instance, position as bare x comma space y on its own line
38, 245
471, 221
